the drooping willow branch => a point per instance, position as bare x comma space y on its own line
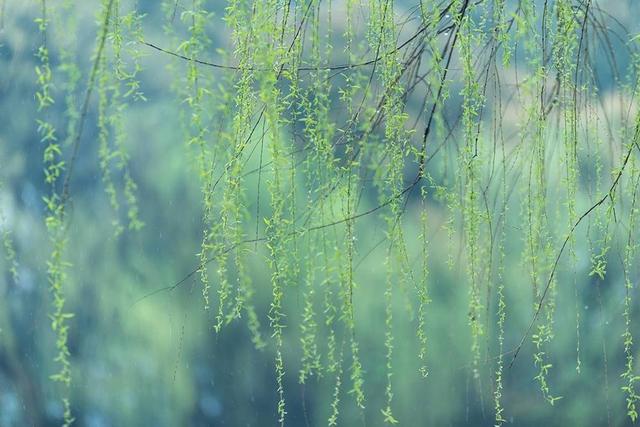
610, 196
87, 99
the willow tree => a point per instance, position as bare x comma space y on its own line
504, 134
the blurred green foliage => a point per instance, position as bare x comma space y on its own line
144, 352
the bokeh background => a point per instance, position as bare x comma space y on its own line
156, 361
